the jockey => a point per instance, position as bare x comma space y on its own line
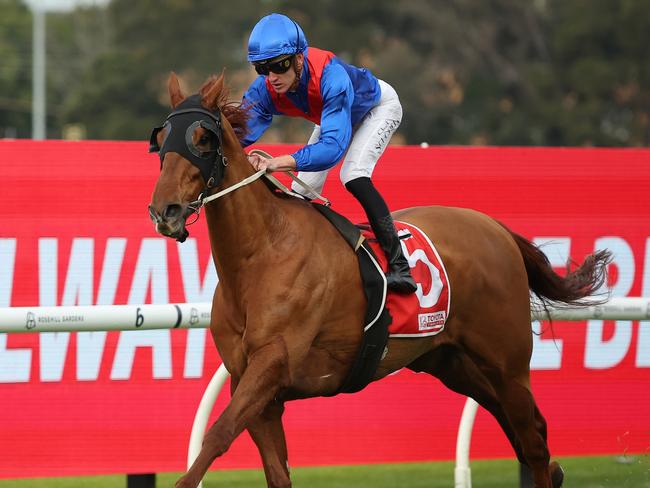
354, 113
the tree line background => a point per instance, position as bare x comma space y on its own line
497, 72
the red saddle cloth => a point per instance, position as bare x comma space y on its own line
424, 312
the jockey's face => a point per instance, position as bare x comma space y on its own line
283, 82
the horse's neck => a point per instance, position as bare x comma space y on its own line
243, 222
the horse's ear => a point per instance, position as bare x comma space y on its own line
174, 87
213, 93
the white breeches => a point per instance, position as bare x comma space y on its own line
369, 140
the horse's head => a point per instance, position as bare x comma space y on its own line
191, 148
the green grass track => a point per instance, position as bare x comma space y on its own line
582, 472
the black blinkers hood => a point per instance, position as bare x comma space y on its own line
180, 125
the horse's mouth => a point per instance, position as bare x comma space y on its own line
173, 227
180, 233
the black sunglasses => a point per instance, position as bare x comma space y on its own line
277, 67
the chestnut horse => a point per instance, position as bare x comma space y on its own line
287, 315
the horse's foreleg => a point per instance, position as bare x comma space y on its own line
266, 373
268, 434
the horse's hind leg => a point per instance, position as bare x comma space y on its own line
460, 374
268, 434
510, 379
528, 423
555, 470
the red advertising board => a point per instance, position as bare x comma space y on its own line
75, 230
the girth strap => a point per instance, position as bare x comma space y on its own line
377, 319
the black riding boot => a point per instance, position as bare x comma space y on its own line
399, 273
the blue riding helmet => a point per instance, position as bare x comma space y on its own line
273, 36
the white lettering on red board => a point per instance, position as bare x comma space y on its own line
151, 273
602, 351
14, 363
195, 292
90, 345
643, 338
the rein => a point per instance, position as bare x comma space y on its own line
201, 201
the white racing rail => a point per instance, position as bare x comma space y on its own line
105, 317
197, 315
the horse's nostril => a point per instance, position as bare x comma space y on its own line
172, 211
153, 214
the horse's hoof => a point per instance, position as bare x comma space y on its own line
557, 474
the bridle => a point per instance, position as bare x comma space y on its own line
180, 125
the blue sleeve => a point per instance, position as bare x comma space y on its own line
261, 111
336, 122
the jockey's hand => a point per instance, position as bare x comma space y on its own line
281, 163
258, 162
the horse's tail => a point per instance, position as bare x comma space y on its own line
571, 289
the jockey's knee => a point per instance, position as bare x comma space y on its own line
349, 175
359, 185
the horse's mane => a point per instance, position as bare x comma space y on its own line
215, 93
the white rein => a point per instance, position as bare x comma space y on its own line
201, 201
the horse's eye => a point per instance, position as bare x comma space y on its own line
204, 139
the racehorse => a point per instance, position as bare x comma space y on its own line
287, 315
